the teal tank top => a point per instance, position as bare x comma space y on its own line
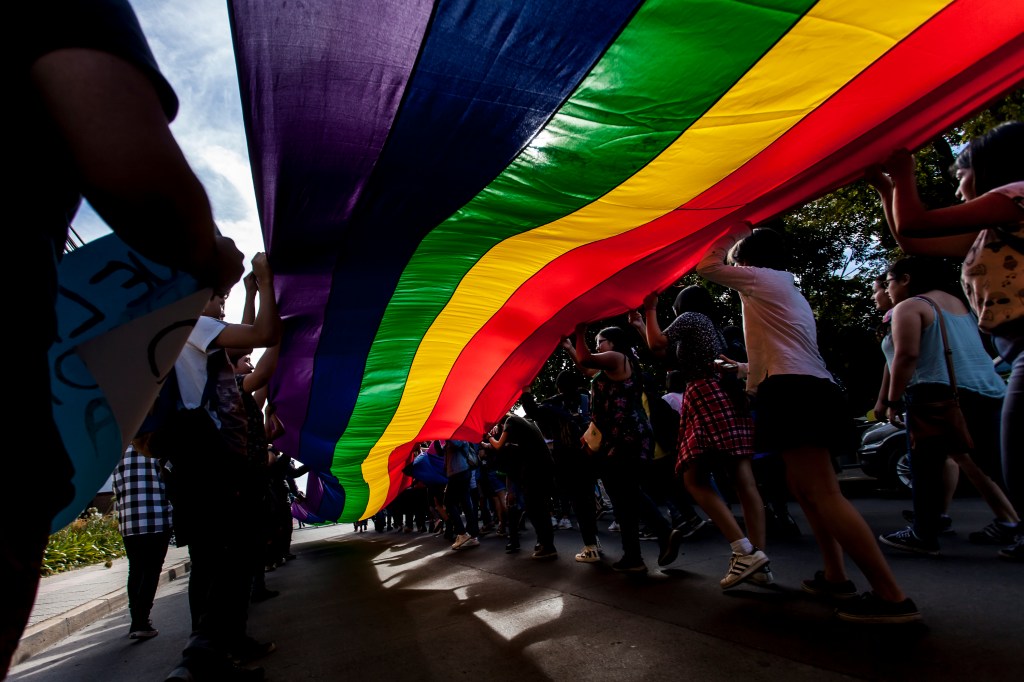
973, 366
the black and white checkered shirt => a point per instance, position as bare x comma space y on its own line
142, 505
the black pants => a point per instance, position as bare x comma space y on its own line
457, 500
621, 476
146, 555
21, 548
281, 530
536, 495
582, 482
219, 585
564, 481
419, 507
927, 465
23, 542
661, 484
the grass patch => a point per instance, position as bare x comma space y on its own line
83, 542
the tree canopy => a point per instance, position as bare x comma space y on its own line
838, 244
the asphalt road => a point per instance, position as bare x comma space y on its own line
405, 607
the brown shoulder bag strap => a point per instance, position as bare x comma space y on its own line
945, 345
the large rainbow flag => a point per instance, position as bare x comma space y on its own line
447, 186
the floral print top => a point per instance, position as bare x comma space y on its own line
618, 412
695, 343
993, 271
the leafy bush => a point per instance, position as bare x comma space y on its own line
83, 542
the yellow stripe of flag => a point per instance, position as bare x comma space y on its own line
828, 47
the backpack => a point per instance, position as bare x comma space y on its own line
464, 450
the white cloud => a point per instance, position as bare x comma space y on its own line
192, 44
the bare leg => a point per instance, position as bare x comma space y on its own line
831, 552
750, 501
500, 510
832, 516
712, 504
989, 490
951, 479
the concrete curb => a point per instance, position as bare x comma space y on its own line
45, 634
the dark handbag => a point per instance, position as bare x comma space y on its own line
469, 452
939, 426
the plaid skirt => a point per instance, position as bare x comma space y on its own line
710, 423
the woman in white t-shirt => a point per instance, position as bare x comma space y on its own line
799, 412
987, 231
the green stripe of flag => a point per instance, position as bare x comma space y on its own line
667, 67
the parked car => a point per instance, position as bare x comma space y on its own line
880, 450
883, 454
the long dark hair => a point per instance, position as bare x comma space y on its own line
764, 248
995, 157
622, 341
695, 299
925, 274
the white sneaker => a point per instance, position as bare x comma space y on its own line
565, 524
763, 577
588, 555
460, 540
614, 527
741, 566
472, 542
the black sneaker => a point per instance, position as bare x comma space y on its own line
648, 534
820, 587
263, 595
180, 674
869, 608
995, 533
625, 565
143, 631
780, 524
670, 549
1014, 552
945, 522
545, 554
511, 548
908, 541
240, 674
232, 673
250, 650
691, 526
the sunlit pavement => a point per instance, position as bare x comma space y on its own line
392, 606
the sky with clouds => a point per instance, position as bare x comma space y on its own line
192, 44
